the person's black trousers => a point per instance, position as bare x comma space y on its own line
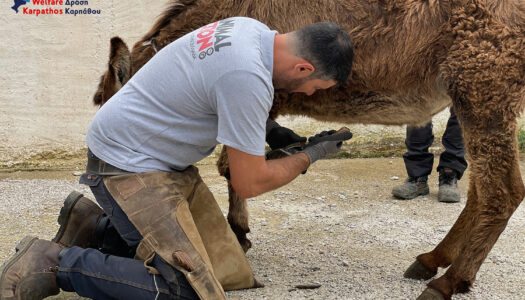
419, 162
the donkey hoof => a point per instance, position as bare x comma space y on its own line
430, 294
240, 233
245, 244
419, 272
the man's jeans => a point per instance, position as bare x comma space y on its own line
95, 275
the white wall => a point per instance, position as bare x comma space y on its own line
50, 66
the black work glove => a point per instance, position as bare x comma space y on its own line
324, 143
280, 137
320, 136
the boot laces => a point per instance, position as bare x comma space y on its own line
416, 180
448, 177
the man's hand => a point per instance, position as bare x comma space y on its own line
327, 142
280, 137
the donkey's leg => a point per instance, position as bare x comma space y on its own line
492, 148
238, 209
426, 265
485, 69
238, 217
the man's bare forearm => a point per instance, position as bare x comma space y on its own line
284, 170
254, 175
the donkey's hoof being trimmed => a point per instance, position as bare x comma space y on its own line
419, 272
431, 294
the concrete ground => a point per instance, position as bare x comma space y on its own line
337, 226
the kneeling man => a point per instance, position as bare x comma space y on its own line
212, 86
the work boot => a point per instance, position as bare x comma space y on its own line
84, 224
31, 273
78, 221
411, 188
448, 186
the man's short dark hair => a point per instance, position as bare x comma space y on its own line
328, 48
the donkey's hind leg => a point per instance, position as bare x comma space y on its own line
486, 70
427, 264
498, 191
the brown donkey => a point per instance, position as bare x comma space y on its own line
413, 59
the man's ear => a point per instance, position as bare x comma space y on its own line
303, 70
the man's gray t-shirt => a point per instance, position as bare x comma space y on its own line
211, 86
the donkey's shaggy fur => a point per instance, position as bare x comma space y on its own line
413, 58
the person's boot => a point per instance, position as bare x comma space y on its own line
78, 219
411, 188
84, 224
31, 273
448, 186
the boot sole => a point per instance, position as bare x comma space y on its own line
448, 200
21, 248
65, 212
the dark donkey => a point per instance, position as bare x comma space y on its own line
413, 59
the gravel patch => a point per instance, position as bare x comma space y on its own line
334, 233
